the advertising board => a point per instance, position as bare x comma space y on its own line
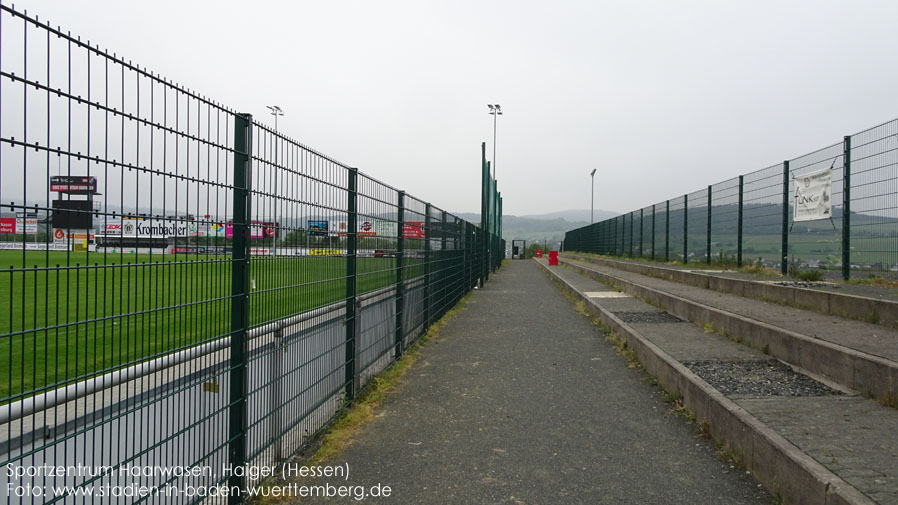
413, 229
74, 184
317, 228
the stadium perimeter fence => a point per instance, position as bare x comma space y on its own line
233, 291
749, 218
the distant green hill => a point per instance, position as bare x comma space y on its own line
533, 228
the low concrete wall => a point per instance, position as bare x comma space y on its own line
883, 312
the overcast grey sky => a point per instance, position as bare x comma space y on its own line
663, 98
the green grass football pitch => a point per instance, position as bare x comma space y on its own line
70, 315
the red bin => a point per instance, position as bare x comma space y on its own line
553, 258
539, 253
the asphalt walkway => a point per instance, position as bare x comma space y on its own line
522, 401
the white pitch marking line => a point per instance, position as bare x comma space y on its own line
605, 294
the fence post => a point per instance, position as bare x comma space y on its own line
605, 243
708, 260
623, 235
623, 230
350, 363
619, 239
500, 251
685, 229
739, 227
484, 215
243, 143
667, 233
275, 398
615, 236
443, 233
463, 237
427, 266
641, 230
784, 257
400, 253
630, 251
653, 232
846, 208
469, 256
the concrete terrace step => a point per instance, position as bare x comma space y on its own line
809, 444
860, 356
864, 303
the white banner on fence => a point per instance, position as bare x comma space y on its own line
26, 222
813, 196
386, 229
154, 228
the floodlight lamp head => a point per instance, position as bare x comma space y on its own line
593, 173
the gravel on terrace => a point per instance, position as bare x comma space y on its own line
647, 317
758, 378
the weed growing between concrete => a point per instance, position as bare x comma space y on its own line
809, 275
889, 400
622, 348
759, 270
875, 280
679, 408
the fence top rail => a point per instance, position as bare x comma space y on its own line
280, 136
813, 155
726, 184
880, 125
763, 173
699, 194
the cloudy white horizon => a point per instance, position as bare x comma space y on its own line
661, 98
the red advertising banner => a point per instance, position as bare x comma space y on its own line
413, 229
257, 229
7, 225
